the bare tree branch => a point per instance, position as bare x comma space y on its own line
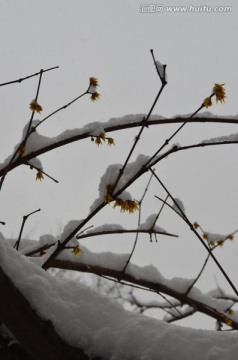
146, 284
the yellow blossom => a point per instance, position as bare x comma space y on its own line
39, 175
129, 206
220, 242
205, 236
110, 141
212, 243
228, 321
207, 102
107, 198
103, 135
231, 312
95, 96
132, 206
98, 141
118, 202
230, 237
195, 225
77, 250
21, 150
219, 92
93, 81
34, 106
100, 138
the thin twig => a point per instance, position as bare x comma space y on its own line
198, 276
197, 235
139, 220
137, 138
23, 143
59, 109
25, 217
43, 172
206, 260
27, 77
158, 215
124, 231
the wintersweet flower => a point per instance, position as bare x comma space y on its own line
100, 138
129, 206
107, 198
93, 81
21, 150
34, 106
132, 206
77, 250
119, 203
207, 102
195, 225
98, 141
95, 96
219, 92
39, 175
110, 141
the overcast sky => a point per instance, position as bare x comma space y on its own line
111, 40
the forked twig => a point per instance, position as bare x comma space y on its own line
25, 217
185, 218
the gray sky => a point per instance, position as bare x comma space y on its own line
111, 40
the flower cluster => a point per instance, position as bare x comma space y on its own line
213, 239
129, 206
34, 106
219, 92
219, 242
103, 138
93, 84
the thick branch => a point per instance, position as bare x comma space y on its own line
36, 336
156, 287
57, 144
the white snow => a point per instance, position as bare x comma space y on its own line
231, 137
101, 326
105, 227
178, 206
36, 141
110, 177
149, 223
